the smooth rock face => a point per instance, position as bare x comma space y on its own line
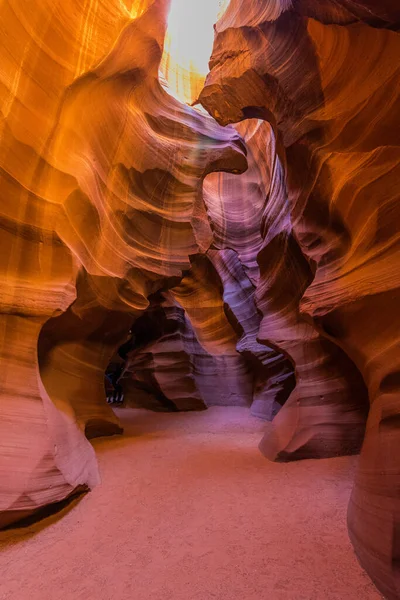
326, 412
324, 74
101, 185
257, 263
195, 346
178, 372
213, 343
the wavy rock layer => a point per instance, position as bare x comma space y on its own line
176, 370
326, 76
196, 346
114, 210
218, 331
325, 414
101, 183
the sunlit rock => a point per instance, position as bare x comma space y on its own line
325, 76
102, 205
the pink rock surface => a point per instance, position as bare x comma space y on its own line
272, 286
324, 75
102, 207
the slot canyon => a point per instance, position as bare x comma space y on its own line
200, 299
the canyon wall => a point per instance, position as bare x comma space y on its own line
325, 75
223, 356
101, 206
254, 252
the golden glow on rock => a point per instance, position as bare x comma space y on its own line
136, 7
188, 45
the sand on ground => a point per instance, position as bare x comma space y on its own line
189, 509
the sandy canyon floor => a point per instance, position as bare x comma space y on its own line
189, 509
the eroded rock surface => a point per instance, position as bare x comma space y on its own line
122, 207
228, 363
324, 74
101, 206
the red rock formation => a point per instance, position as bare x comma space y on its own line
325, 75
218, 294
208, 353
226, 378
161, 363
170, 364
102, 206
325, 414
101, 179
235, 207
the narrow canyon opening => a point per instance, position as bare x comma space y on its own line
199, 324
188, 46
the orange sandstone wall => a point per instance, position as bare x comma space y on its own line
325, 75
101, 205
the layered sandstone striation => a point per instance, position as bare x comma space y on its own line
325, 75
254, 252
101, 183
169, 369
218, 330
326, 412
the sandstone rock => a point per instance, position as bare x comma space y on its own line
101, 206
324, 75
117, 207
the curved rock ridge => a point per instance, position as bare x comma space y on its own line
221, 318
236, 207
101, 182
273, 377
325, 415
324, 74
169, 369
201, 295
339, 12
206, 354
159, 371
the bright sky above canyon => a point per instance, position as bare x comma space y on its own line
188, 45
